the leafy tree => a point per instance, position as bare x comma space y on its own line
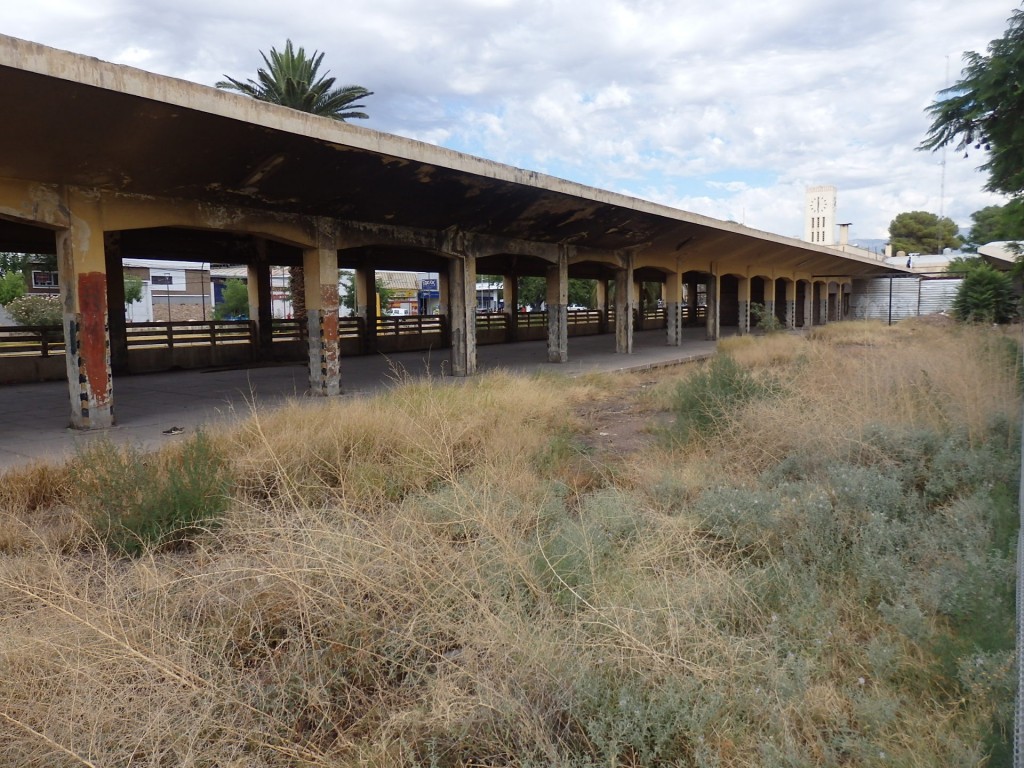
348, 297
348, 293
961, 265
997, 223
534, 291
292, 79
385, 295
37, 309
14, 262
12, 285
923, 232
132, 289
984, 109
986, 295
236, 300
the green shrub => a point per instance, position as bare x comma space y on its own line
37, 309
986, 296
765, 320
139, 501
704, 401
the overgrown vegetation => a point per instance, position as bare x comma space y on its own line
36, 309
140, 502
764, 319
814, 569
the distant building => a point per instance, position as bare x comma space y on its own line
172, 291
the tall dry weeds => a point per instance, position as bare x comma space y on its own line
447, 575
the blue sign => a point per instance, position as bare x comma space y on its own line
428, 284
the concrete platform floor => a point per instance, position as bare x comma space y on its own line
34, 417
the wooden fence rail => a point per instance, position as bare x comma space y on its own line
43, 341
31, 340
194, 333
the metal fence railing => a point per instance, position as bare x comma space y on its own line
1018, 720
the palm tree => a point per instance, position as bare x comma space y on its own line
291, 80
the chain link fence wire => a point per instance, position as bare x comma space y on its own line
1018, 720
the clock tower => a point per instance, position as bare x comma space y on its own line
820, 215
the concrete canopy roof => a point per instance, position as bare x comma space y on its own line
89, 123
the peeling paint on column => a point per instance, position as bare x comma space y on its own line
94, 342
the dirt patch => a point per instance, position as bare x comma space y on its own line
621, 425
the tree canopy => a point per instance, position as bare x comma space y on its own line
923, 232
984, 109
236, 300
292, 79
12, 285
997, 223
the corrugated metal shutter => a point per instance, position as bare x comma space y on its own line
937, 295
870, 299
911, 296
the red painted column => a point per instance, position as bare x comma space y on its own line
83, 282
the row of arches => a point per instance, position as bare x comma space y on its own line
91, 233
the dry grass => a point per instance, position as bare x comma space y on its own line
863, 374
444, 576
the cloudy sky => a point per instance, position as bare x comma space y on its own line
727, 108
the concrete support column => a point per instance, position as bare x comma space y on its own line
672, 295
444, 304
823, 303
791, 304
743, 295
808, 305
366, 305
83, 288
462, 284
713, 318
840, 295
510, 295
260, 305
769, 297
602, 305
624, 306
116, 321
638, 306
557, 301
321, 271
